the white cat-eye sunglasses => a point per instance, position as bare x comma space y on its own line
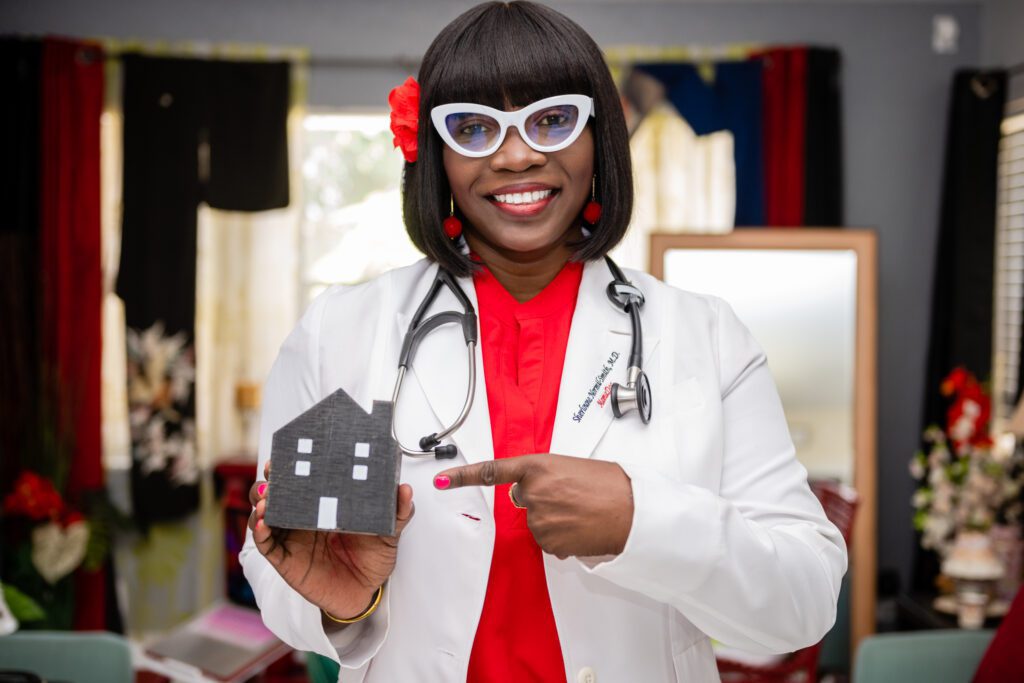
547, 125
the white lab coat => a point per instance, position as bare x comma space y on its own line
727, 540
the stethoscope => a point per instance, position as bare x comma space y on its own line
635, 395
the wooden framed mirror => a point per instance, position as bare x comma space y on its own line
809, 296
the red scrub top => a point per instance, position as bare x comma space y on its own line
523, 347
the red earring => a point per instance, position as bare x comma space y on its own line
592, 211
452, 225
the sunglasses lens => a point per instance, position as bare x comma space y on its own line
552, 125
473, 132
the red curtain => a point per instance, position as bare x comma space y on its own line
71, 284
785, 119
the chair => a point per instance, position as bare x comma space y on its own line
840, 504
944, 656
79, 656
320, 669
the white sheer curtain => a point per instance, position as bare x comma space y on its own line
683, 183
247, 302
247, 298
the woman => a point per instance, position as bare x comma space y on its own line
624, 545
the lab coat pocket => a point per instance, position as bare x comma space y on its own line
663, 444
677, 415
694, 432
686, 396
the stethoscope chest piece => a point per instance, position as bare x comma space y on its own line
636, 395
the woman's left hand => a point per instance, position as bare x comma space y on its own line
574, 506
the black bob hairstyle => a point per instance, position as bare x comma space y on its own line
508, 55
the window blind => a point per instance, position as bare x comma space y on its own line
1009, 280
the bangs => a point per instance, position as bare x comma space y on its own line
510, 57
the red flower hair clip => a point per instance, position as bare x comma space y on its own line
405, 111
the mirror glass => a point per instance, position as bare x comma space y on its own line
801, 306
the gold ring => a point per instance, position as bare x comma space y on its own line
512, 496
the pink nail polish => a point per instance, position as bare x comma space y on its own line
442, 482
261, 488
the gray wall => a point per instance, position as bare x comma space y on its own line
1002, 39
895, 99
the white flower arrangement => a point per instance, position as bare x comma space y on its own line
967, 480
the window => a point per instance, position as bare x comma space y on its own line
1009, 286
352, 225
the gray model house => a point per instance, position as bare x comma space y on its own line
335, 468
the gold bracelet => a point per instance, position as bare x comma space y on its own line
367, 612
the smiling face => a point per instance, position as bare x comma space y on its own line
521, 202
509, 57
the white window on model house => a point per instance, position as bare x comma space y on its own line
359, 472
302, 466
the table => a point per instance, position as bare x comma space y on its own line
914, 612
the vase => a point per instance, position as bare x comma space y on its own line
1009, 548
973, 564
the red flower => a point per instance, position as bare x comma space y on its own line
968, 417
955, 381
405, 111
34, 497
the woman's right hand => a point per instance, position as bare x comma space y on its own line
338, 572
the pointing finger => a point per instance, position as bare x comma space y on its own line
487, 473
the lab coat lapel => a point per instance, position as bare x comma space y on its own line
440, 371
596, 356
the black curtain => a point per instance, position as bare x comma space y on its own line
20, 62
961, 321
823, 141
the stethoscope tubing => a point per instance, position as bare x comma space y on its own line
437, 437
623, 295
